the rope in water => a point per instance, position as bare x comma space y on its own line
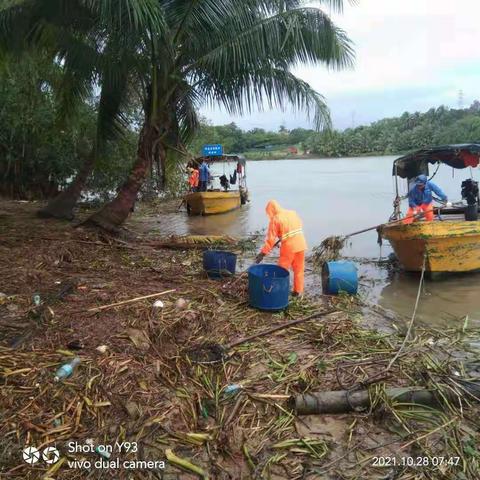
414, 314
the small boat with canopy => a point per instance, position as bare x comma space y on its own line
450, 243
227, 186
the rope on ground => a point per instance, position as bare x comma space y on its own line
412, 320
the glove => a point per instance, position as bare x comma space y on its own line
259, 257
448, 204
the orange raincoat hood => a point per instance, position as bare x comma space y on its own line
273, 208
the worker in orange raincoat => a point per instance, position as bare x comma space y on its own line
286, 226
193, 179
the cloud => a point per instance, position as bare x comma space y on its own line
410, 55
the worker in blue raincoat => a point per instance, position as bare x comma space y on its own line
204, 176
420, 199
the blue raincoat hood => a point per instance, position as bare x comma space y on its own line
421, 180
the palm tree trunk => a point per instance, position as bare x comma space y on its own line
62, 205
113, 214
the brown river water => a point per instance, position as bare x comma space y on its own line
336, 197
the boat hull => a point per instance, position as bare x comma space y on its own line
212, 203
451, 246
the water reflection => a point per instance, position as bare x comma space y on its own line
444, 300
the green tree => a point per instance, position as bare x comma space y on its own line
96, 45
35, 157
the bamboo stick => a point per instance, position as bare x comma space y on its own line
132, 300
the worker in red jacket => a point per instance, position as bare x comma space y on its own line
193, 179
286, 226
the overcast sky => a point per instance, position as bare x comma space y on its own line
410, 55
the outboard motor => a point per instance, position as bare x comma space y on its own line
224, 182
470, 194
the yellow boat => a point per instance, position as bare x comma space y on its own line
212, 202
450, 243
234, 192
450, 246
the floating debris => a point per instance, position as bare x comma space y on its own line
328, 250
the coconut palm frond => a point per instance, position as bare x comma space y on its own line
187, 108
268, 87
297, 36
128, 16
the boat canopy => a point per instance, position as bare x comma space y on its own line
223, 158
456, 156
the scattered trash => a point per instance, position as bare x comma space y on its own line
57, 422
75, 345
102, 452
181, 304
66, 370
158, 304
102, 348
36, 299
232, 389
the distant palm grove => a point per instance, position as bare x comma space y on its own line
387, 136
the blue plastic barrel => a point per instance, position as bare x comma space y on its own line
268, 287
339, 277
218, 263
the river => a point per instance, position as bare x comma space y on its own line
339, 196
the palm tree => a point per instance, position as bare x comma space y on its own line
238, 54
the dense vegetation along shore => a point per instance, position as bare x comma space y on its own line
142, 378
389, 136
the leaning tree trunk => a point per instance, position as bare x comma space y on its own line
62, 205
113, 214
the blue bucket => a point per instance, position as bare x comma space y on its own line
268, 287
219, 264
339, 277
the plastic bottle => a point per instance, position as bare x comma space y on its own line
67, 369
232, 389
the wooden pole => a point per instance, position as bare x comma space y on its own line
283, 326
132, 300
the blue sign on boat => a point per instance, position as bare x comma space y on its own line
213, 150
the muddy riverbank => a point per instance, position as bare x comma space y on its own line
139, 383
